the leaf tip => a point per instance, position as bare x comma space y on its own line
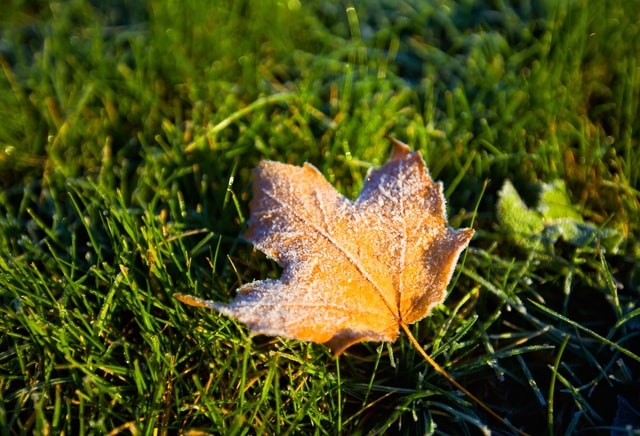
400, 149
346, 338
193, 301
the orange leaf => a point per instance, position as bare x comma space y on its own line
352, 270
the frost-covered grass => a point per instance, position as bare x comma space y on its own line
127, 136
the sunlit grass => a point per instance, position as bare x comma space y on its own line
126, 148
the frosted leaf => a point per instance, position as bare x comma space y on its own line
352, 270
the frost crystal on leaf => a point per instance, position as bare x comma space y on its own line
352, 270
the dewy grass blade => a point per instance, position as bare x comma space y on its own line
532, 380
552, 385
580, 327
261, 102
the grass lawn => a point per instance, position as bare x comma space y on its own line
127, 137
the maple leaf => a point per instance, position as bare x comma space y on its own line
352, 270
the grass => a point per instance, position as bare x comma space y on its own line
127, 138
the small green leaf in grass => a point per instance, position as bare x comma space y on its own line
554, 217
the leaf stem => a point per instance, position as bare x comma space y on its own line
451, 380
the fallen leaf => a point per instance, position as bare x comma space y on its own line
352, 270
